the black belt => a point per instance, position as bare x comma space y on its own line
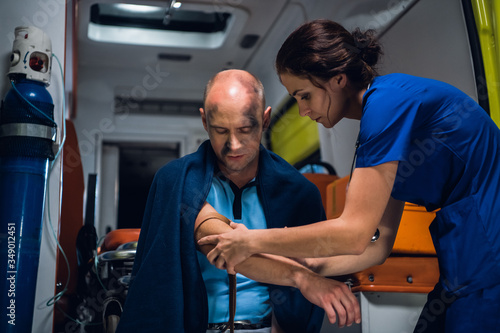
238, 325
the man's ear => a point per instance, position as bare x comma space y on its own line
204, 119
266, 118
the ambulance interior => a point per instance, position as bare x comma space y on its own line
129, 103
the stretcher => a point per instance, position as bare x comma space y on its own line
107, 281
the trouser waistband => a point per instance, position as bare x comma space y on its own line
239, 325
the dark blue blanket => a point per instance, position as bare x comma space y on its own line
167, 293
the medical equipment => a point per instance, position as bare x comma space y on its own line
106, 281
27, 136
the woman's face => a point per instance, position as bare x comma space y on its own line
325, 106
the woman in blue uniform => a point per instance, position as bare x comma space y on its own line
421, 141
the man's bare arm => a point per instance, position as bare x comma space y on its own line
333, 296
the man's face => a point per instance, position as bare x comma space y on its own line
234, 122
234, 119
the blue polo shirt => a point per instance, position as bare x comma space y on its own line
252, 298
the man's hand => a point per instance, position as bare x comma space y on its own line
231, 248
333, 296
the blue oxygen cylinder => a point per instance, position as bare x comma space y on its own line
27, 132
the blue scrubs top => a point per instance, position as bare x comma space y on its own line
252, 298
448, 150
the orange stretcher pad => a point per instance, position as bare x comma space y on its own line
117, 237
413, 265
321, 180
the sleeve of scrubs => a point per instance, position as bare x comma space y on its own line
389, 117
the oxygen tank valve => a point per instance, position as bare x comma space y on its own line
31, 55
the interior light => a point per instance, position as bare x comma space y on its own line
137, 8
198, 26
177, 5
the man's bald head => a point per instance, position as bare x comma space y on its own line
234, 116
237, 79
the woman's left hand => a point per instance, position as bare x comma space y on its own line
231, 248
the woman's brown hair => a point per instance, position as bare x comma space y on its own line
321, 49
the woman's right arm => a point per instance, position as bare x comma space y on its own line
350, 234
375, 253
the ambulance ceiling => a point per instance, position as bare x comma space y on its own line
105, 39
193, 39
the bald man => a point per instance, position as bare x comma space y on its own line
174, 287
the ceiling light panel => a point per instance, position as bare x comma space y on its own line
189, 26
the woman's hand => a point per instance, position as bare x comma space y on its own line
231, 248
333, 296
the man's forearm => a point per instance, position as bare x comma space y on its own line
274, 270
264, 268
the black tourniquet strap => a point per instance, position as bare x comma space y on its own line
232, 277
232, 301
